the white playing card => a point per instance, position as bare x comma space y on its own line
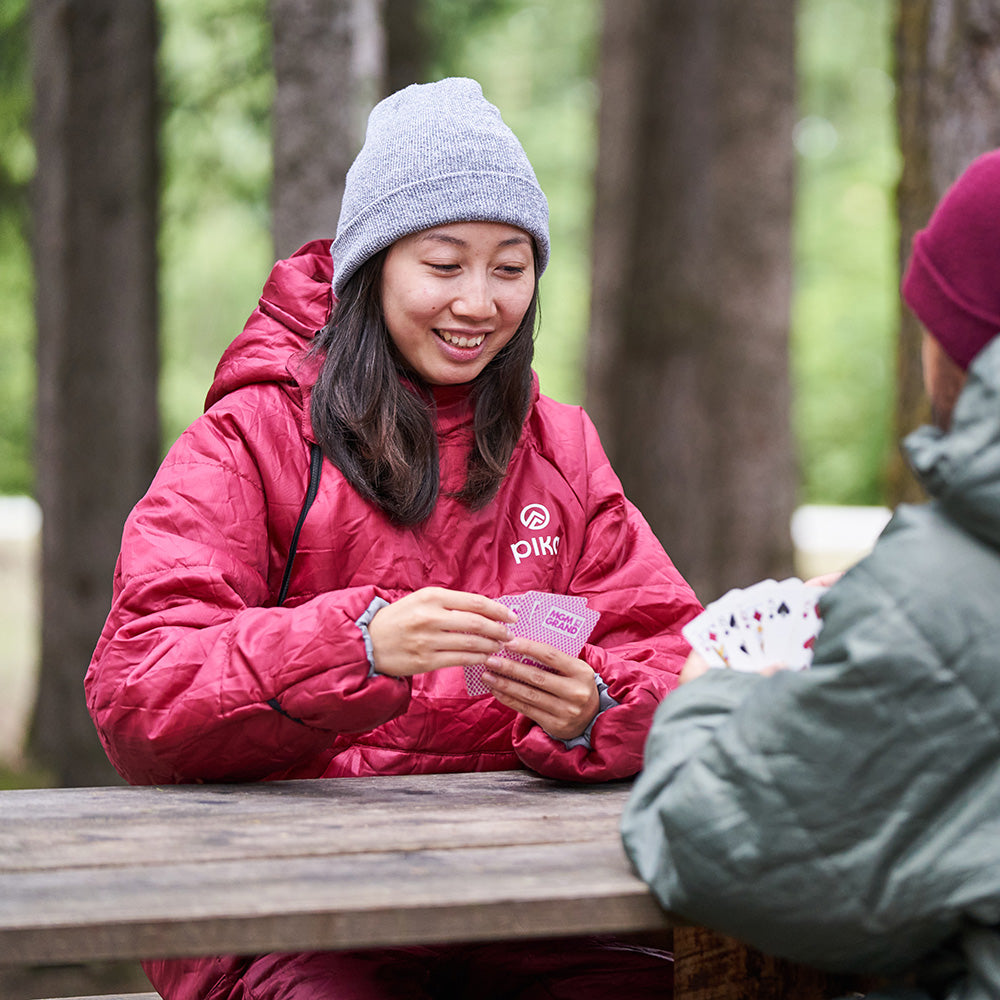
770, 623
706, 638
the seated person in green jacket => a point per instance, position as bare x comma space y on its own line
848, 816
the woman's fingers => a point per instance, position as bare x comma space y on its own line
434, 628
558, 692
694, 666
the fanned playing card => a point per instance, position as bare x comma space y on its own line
761, 626
559, 620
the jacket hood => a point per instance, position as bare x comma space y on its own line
294, 305
960, 467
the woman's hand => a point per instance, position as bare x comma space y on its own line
694, 666
563, 699
434, 628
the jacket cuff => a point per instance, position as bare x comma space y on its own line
363, 622
605, 702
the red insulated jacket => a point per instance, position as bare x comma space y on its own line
199, 676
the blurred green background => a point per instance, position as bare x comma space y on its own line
537, 61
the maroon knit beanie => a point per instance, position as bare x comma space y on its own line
952, 282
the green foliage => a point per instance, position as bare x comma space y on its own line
17, 333
536, 60
215, 244
845, 312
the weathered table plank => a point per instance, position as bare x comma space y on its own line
135, 872
117, 825
124, 873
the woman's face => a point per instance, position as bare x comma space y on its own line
454, 295
943, 380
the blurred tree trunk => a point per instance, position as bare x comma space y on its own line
328, 66
94, 246
947, 95
688, 357
407, 43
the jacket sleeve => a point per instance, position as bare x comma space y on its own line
637, 647
844, 816
195, 677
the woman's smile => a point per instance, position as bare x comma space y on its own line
453, 296
458, 340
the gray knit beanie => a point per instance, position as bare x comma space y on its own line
435, 153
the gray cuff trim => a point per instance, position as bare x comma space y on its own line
605, 702
363, 622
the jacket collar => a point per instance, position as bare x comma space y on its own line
961, 467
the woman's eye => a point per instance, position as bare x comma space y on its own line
512, 270
443, 267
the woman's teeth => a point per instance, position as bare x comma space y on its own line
451, 338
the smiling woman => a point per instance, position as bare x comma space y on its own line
454, 297
380, 416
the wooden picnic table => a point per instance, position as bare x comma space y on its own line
132, 872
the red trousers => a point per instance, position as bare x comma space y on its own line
592, 968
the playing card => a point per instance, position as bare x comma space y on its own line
522, 605
765, 608
752, 606
705, 637
772, 622
803, 626
736, 641
563, 622
559, 620
732, 637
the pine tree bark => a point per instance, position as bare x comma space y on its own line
94, 247
407, 43
688, 353
947, 94
328, 66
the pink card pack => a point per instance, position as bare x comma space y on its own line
559, 620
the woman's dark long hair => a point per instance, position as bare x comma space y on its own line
380, 432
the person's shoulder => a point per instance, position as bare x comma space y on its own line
923, 536
552, 420
260, 402
246, 420
926, 576
916, 539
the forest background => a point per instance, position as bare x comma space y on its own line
538, 62
715, 171
543, 62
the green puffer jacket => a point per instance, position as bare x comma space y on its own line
848, 816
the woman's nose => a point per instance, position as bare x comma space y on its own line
474, 297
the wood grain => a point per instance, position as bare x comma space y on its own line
193, 870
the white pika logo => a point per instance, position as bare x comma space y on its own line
534, 517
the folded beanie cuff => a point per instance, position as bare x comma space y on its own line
959, 327
469, 196
434, 154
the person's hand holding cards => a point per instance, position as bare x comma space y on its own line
433, 628
771, 625
539, 673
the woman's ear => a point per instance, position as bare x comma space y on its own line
944, 379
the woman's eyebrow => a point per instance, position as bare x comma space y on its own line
444, 238
517, 240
